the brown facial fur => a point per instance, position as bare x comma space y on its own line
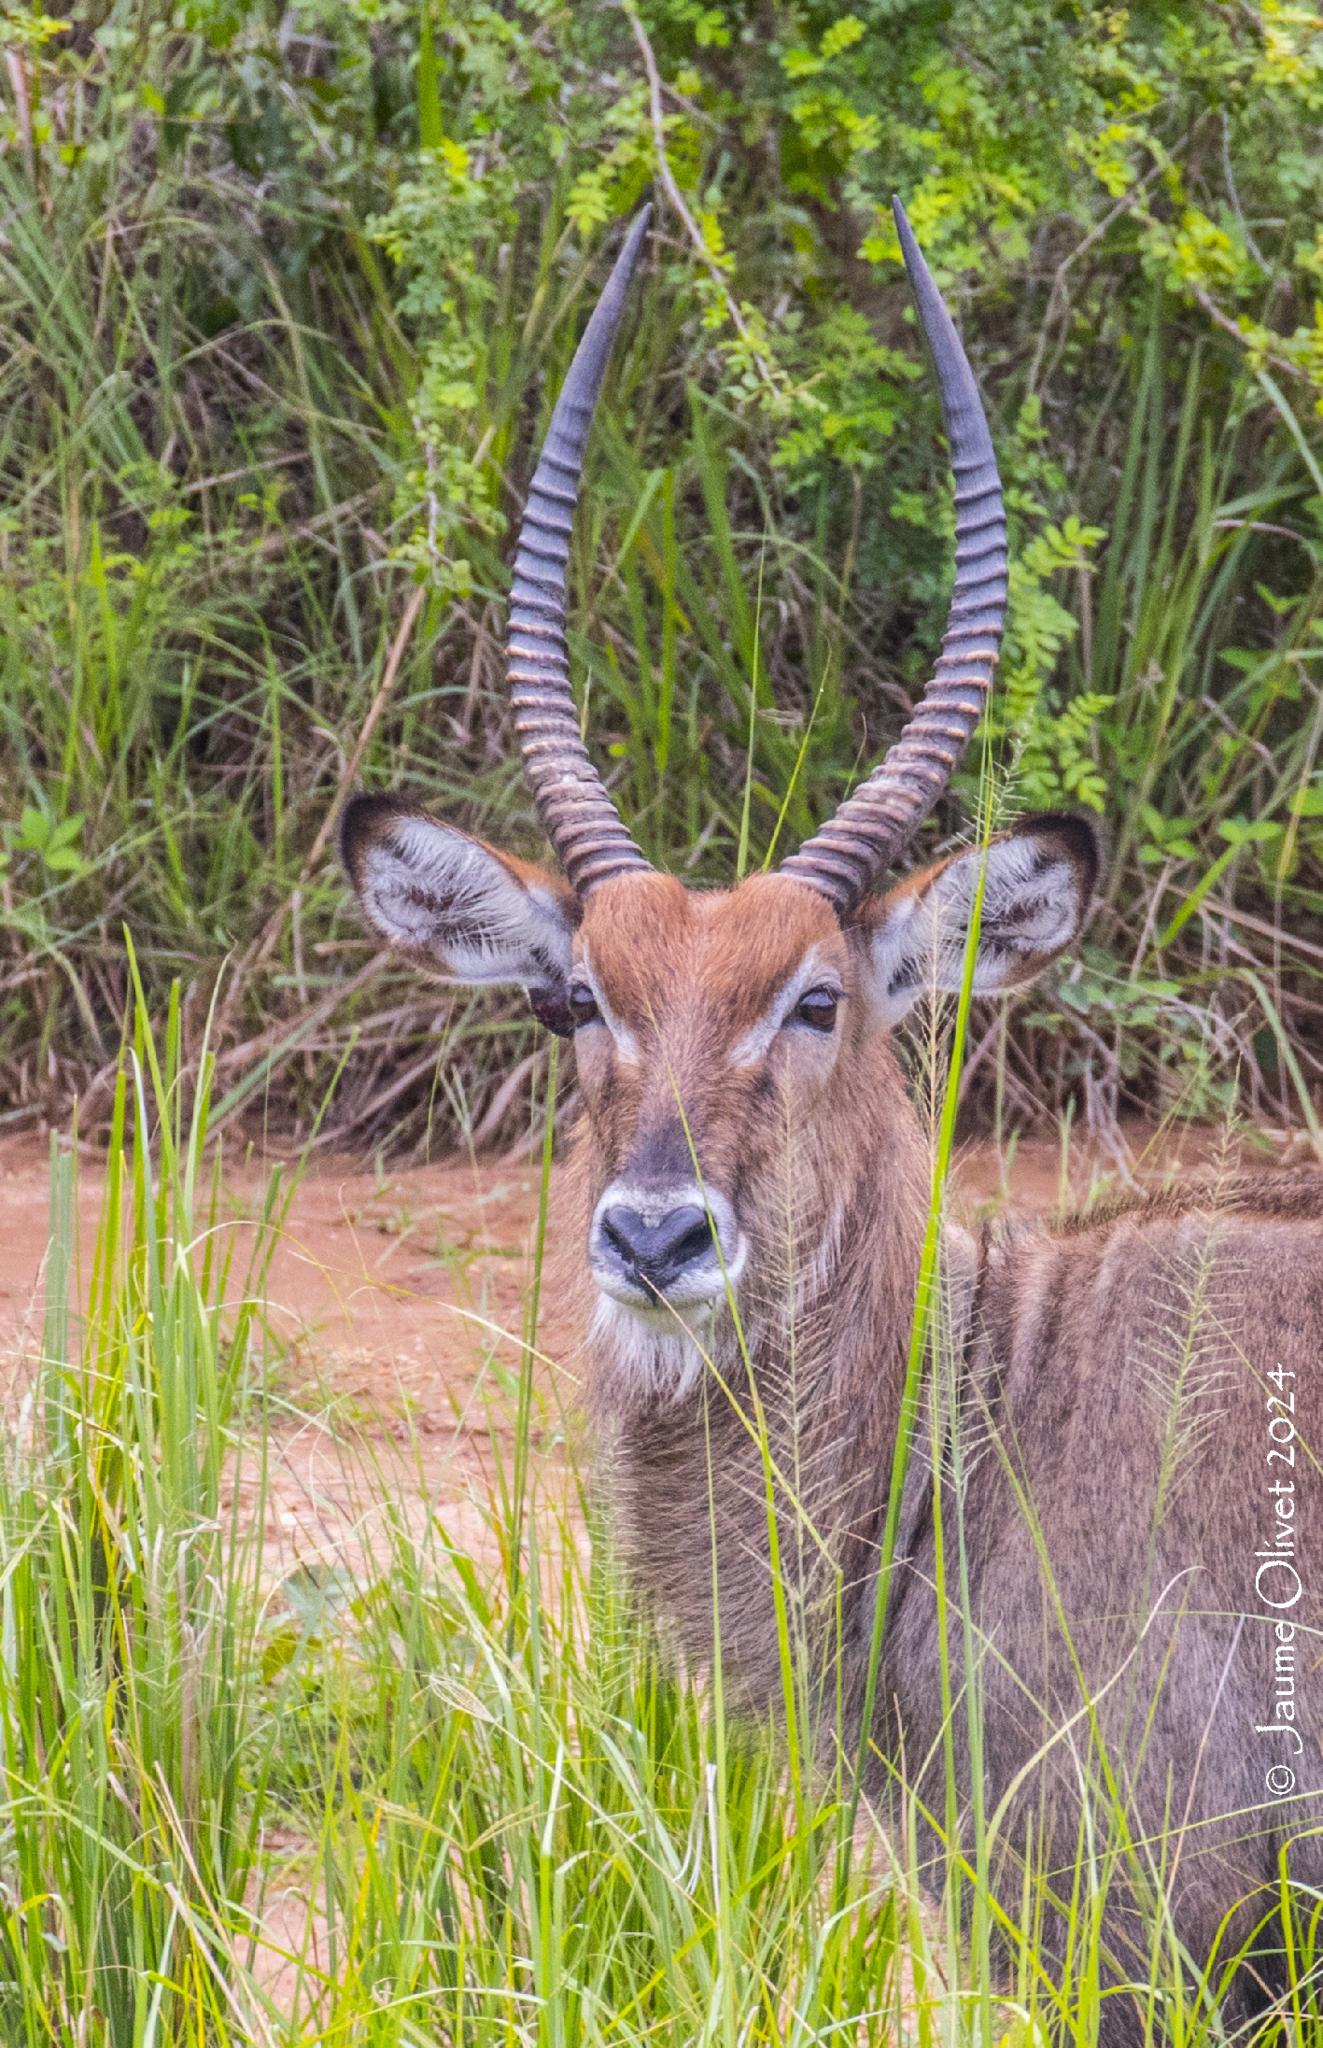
689, 976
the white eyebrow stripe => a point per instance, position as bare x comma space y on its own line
626, 1043
748, 1050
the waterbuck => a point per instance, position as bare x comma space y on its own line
1120, 1441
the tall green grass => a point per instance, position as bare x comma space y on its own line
514, 1825
452, 1791
134, 1751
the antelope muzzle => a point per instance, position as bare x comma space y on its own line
665, 1250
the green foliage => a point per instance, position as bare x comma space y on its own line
130, 1746
434, 232
53, 840
1051, 742
284, 296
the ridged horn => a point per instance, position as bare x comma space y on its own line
877, 820
581, 821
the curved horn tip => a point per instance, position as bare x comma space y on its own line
623, 267
878, 819
537, 667
909, 248
640, 224
916, 263
922, 282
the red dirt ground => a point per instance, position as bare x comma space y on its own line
394, 1288
396, 1299
395, 1307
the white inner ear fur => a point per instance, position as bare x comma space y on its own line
436, 891
1032, 908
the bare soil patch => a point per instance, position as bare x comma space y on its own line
395, 1312
396, 1300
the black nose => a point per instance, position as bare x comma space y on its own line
657, 1253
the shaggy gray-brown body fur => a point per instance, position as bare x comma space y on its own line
1105, 1440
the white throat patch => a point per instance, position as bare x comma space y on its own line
653, 1356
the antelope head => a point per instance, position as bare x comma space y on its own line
707, 1023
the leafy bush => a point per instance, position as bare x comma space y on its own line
286, 292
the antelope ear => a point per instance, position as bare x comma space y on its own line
458, 906
1038, 884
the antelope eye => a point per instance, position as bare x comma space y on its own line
583, 1005
817, 1008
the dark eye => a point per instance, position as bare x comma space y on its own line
583, 1006
817, 1008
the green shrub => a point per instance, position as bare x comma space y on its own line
285, 294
